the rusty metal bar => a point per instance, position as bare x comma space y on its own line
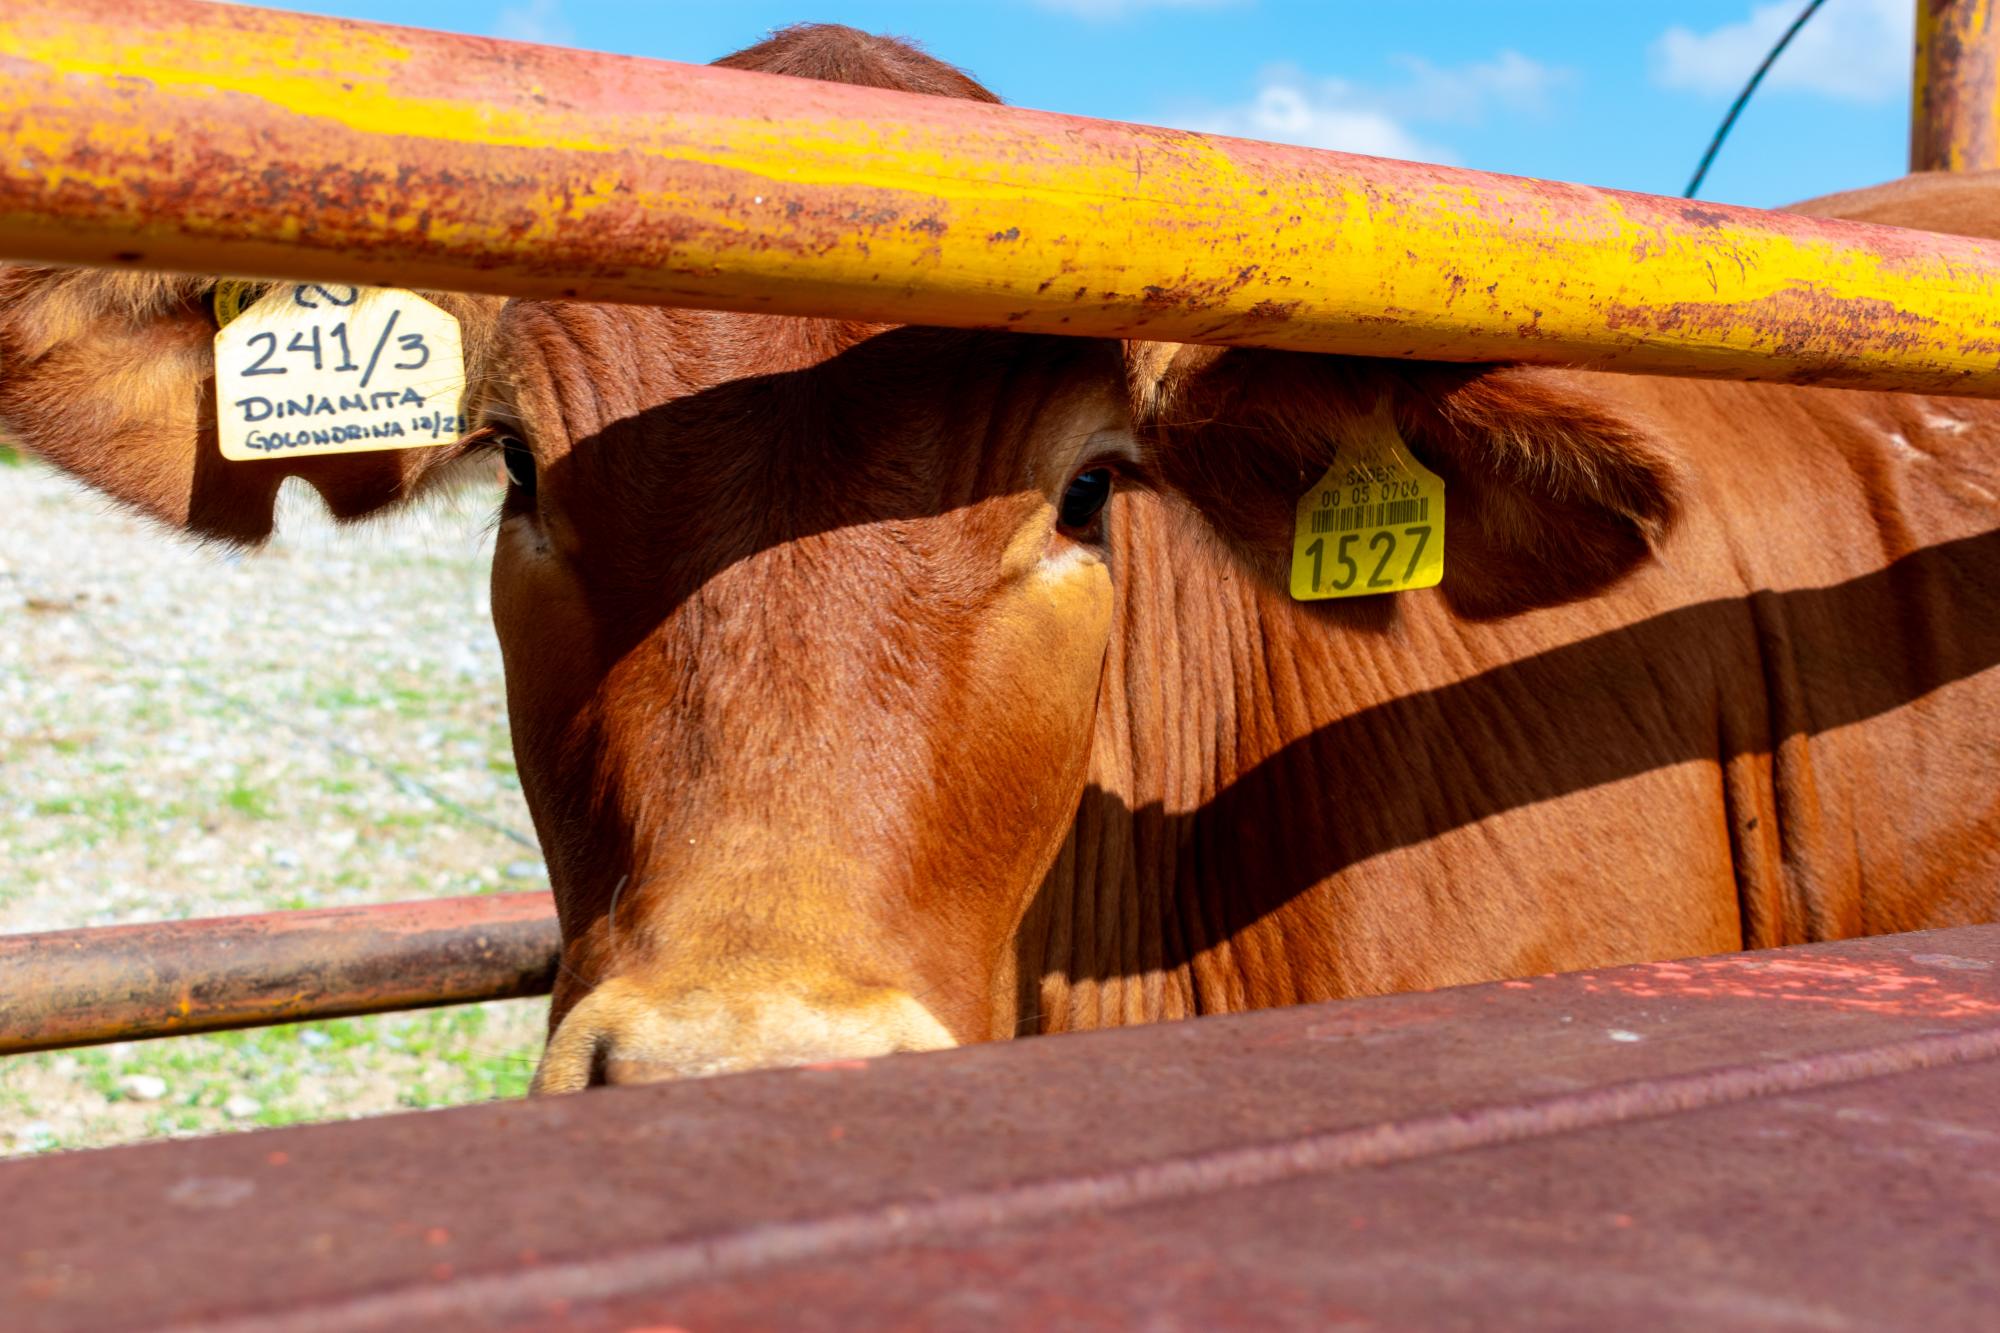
1955, 99
114, 983
169, 134
1797, 1138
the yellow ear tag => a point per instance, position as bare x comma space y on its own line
311, 369
1374, 523
232, 296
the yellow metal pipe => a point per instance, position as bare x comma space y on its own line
203, 138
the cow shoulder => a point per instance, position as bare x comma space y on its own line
1960, 203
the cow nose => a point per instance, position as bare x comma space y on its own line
629, 1032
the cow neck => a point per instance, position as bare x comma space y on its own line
1140, 918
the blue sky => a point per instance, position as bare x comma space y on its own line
1607, 92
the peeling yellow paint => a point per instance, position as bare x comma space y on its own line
458, 162
1955, 88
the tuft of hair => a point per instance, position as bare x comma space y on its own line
50, 306
1539, 431
833, 53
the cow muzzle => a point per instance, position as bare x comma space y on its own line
625, 1032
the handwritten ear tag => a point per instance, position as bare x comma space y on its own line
312, 369
1374, 523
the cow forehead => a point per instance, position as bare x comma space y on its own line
693, 391
899, 472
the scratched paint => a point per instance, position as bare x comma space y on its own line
142, 133
1868, 986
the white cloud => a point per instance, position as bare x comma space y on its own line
1104, 11
1852, 50
1321, 113
535, 21
1292, 107
1462, 94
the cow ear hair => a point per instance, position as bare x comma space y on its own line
1551, 494
110, 376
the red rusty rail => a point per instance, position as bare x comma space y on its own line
113, 983
1955, 101
1800, 1138
170, 134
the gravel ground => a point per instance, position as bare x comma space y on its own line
138, 783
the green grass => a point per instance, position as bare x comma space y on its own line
128, 792
474, 1066
106, 814
297, 1073
380, 819
414, 703
342, 696
248, 802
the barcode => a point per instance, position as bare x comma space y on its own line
1372, 516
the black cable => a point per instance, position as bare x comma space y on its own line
1715, 144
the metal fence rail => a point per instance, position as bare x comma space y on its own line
208, 138
115, 983
1793, 1139
169, 134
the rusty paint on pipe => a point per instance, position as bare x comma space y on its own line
1955, 97
80, 987
203, 138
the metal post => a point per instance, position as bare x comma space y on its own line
1955, 100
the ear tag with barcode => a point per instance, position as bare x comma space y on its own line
314, 369
1374, 523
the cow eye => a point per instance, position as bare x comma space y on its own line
1085, 498
519, 461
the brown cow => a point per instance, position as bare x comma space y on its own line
853, 719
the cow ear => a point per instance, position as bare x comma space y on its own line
111, 377
1551, 495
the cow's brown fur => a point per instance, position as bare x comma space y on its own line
838, 744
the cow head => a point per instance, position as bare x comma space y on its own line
804, 622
